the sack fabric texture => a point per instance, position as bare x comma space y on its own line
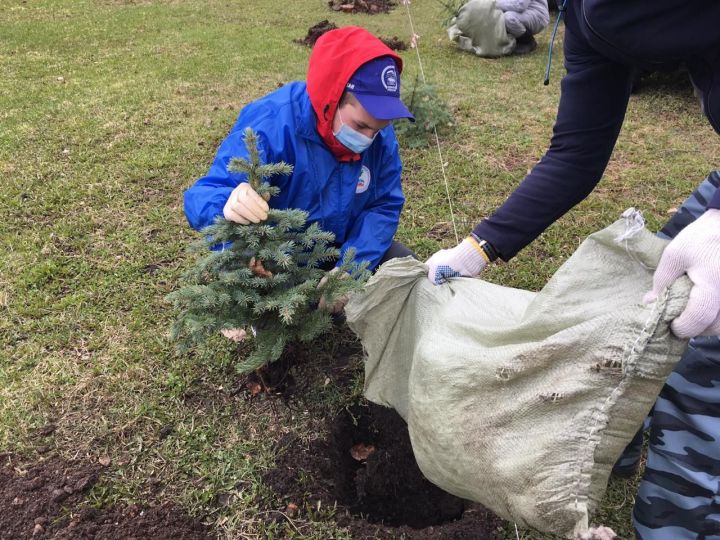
521, 400
479, 28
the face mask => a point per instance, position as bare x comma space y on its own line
352, 139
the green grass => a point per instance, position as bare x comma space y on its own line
109, 109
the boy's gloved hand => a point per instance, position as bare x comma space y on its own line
465, 259
339, 304
245, 206
695, 251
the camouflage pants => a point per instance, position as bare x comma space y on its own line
679, 496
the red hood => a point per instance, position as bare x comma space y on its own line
335, 57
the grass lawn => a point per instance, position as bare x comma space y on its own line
109, 109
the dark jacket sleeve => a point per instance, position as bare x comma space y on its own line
594, 96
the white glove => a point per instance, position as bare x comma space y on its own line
245, 206
340, 302
465, 259
597, 533
234, 334
695, 251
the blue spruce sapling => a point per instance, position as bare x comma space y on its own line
226, 291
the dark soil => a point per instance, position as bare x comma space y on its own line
275, 378
45, 500
287, 378
395, 43
366, 467
362, 6
314, 32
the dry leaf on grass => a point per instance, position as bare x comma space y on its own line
361, 451
254, 388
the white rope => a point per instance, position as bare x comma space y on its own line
414, 45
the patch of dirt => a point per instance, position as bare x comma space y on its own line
314, 32
362, 6
395, 43
45, 500
275, 378
440, 231
287, 378
366, 467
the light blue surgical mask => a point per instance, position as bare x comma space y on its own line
351, 138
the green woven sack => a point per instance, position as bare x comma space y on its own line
523, 401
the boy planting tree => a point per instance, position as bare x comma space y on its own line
335, 131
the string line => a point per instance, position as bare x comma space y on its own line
406, 3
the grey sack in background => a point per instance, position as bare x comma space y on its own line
479, 28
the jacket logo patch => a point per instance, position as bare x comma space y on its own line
364, 180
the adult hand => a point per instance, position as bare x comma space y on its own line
245, 206
695, 251
465, 259
339, 304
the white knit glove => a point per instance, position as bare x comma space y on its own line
465, 259
695, 251
245, 206
597, 533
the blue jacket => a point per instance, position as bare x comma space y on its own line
605, 42
359, 201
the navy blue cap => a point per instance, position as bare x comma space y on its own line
376, 85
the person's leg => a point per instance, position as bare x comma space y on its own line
679, 496
395, 251
525, 44
524, 26
628, 463
693, 207
513, 24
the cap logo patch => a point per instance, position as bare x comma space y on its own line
389, 79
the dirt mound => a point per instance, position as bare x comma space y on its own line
366, 466
362, 6
395, 43
314, 32
45, 500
